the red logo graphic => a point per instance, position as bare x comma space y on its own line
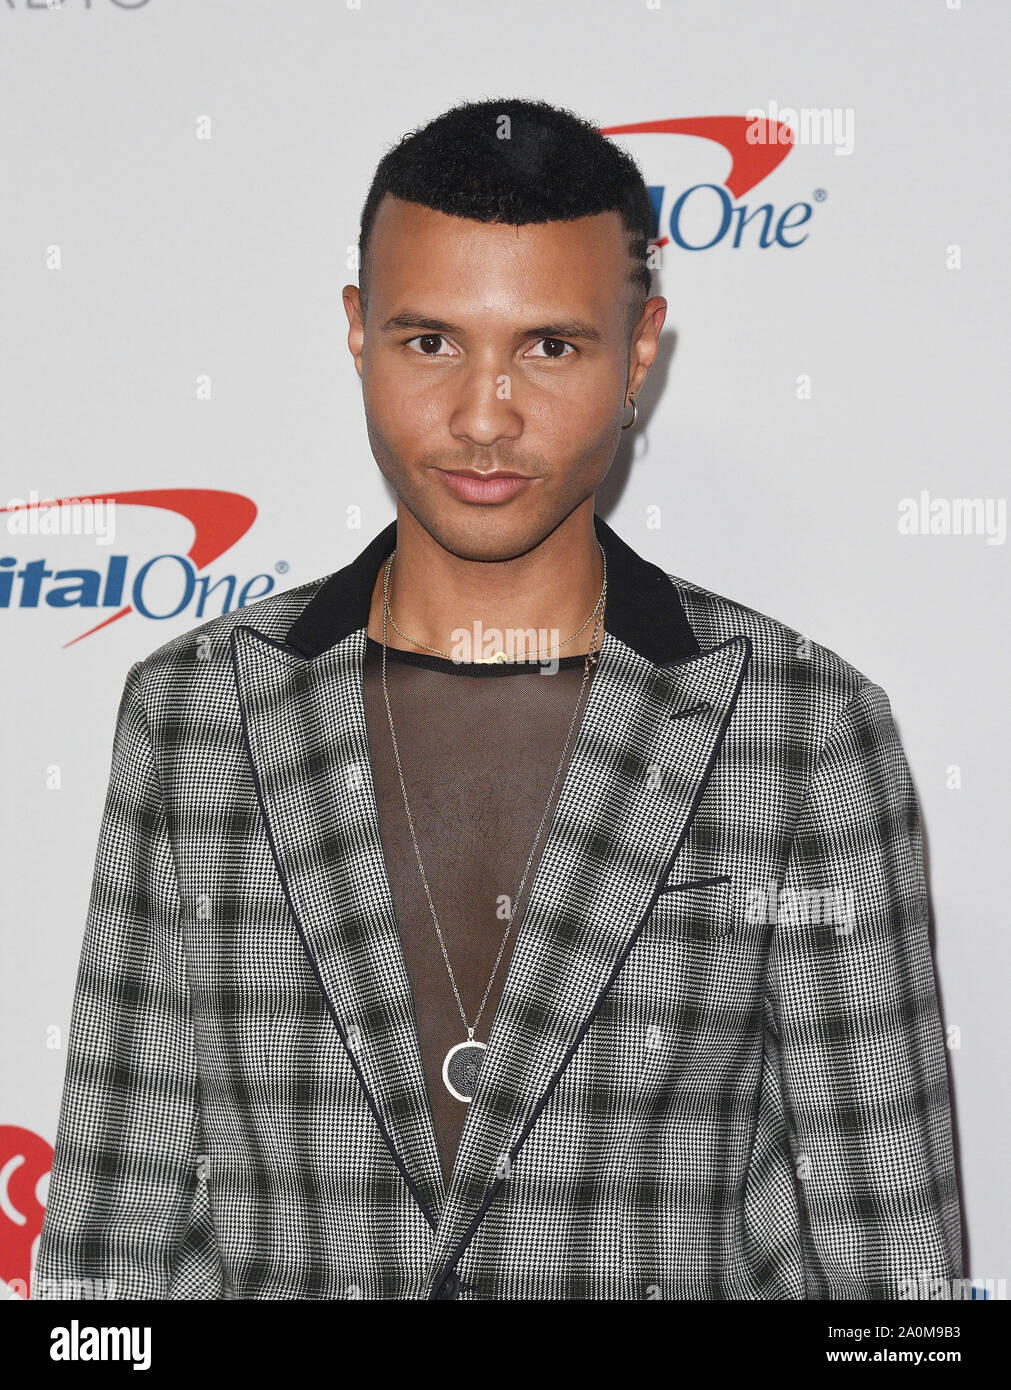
25, 1161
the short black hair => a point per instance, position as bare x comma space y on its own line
552, 165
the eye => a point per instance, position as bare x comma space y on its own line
428, 339
555, 343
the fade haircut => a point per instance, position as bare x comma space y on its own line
552, 167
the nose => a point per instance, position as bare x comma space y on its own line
484, 412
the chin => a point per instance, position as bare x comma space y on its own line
485, 533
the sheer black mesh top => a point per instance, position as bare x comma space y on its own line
479, 747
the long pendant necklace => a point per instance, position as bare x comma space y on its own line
462, 1063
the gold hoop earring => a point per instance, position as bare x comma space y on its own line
635, 413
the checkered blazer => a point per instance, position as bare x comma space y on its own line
717, 1070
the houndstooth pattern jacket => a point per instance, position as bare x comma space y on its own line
717, 1070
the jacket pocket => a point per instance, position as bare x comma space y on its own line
704, 908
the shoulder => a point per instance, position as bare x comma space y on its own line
190, 665
792, 680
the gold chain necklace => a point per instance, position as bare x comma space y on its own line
500, 656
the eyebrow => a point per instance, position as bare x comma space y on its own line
567, 328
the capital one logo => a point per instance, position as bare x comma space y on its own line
162, 586
25, 1161
712, 214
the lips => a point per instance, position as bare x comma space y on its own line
476, 473
498, 486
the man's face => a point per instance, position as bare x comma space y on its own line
491, 347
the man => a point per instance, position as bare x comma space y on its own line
501, 916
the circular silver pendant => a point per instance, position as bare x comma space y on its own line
460, 1069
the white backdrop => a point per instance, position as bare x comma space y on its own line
183, 183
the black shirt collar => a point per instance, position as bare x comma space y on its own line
643, 607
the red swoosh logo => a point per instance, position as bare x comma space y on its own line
219, 519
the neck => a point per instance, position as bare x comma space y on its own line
552, 589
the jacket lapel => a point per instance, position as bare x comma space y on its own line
648, 741
305, 734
